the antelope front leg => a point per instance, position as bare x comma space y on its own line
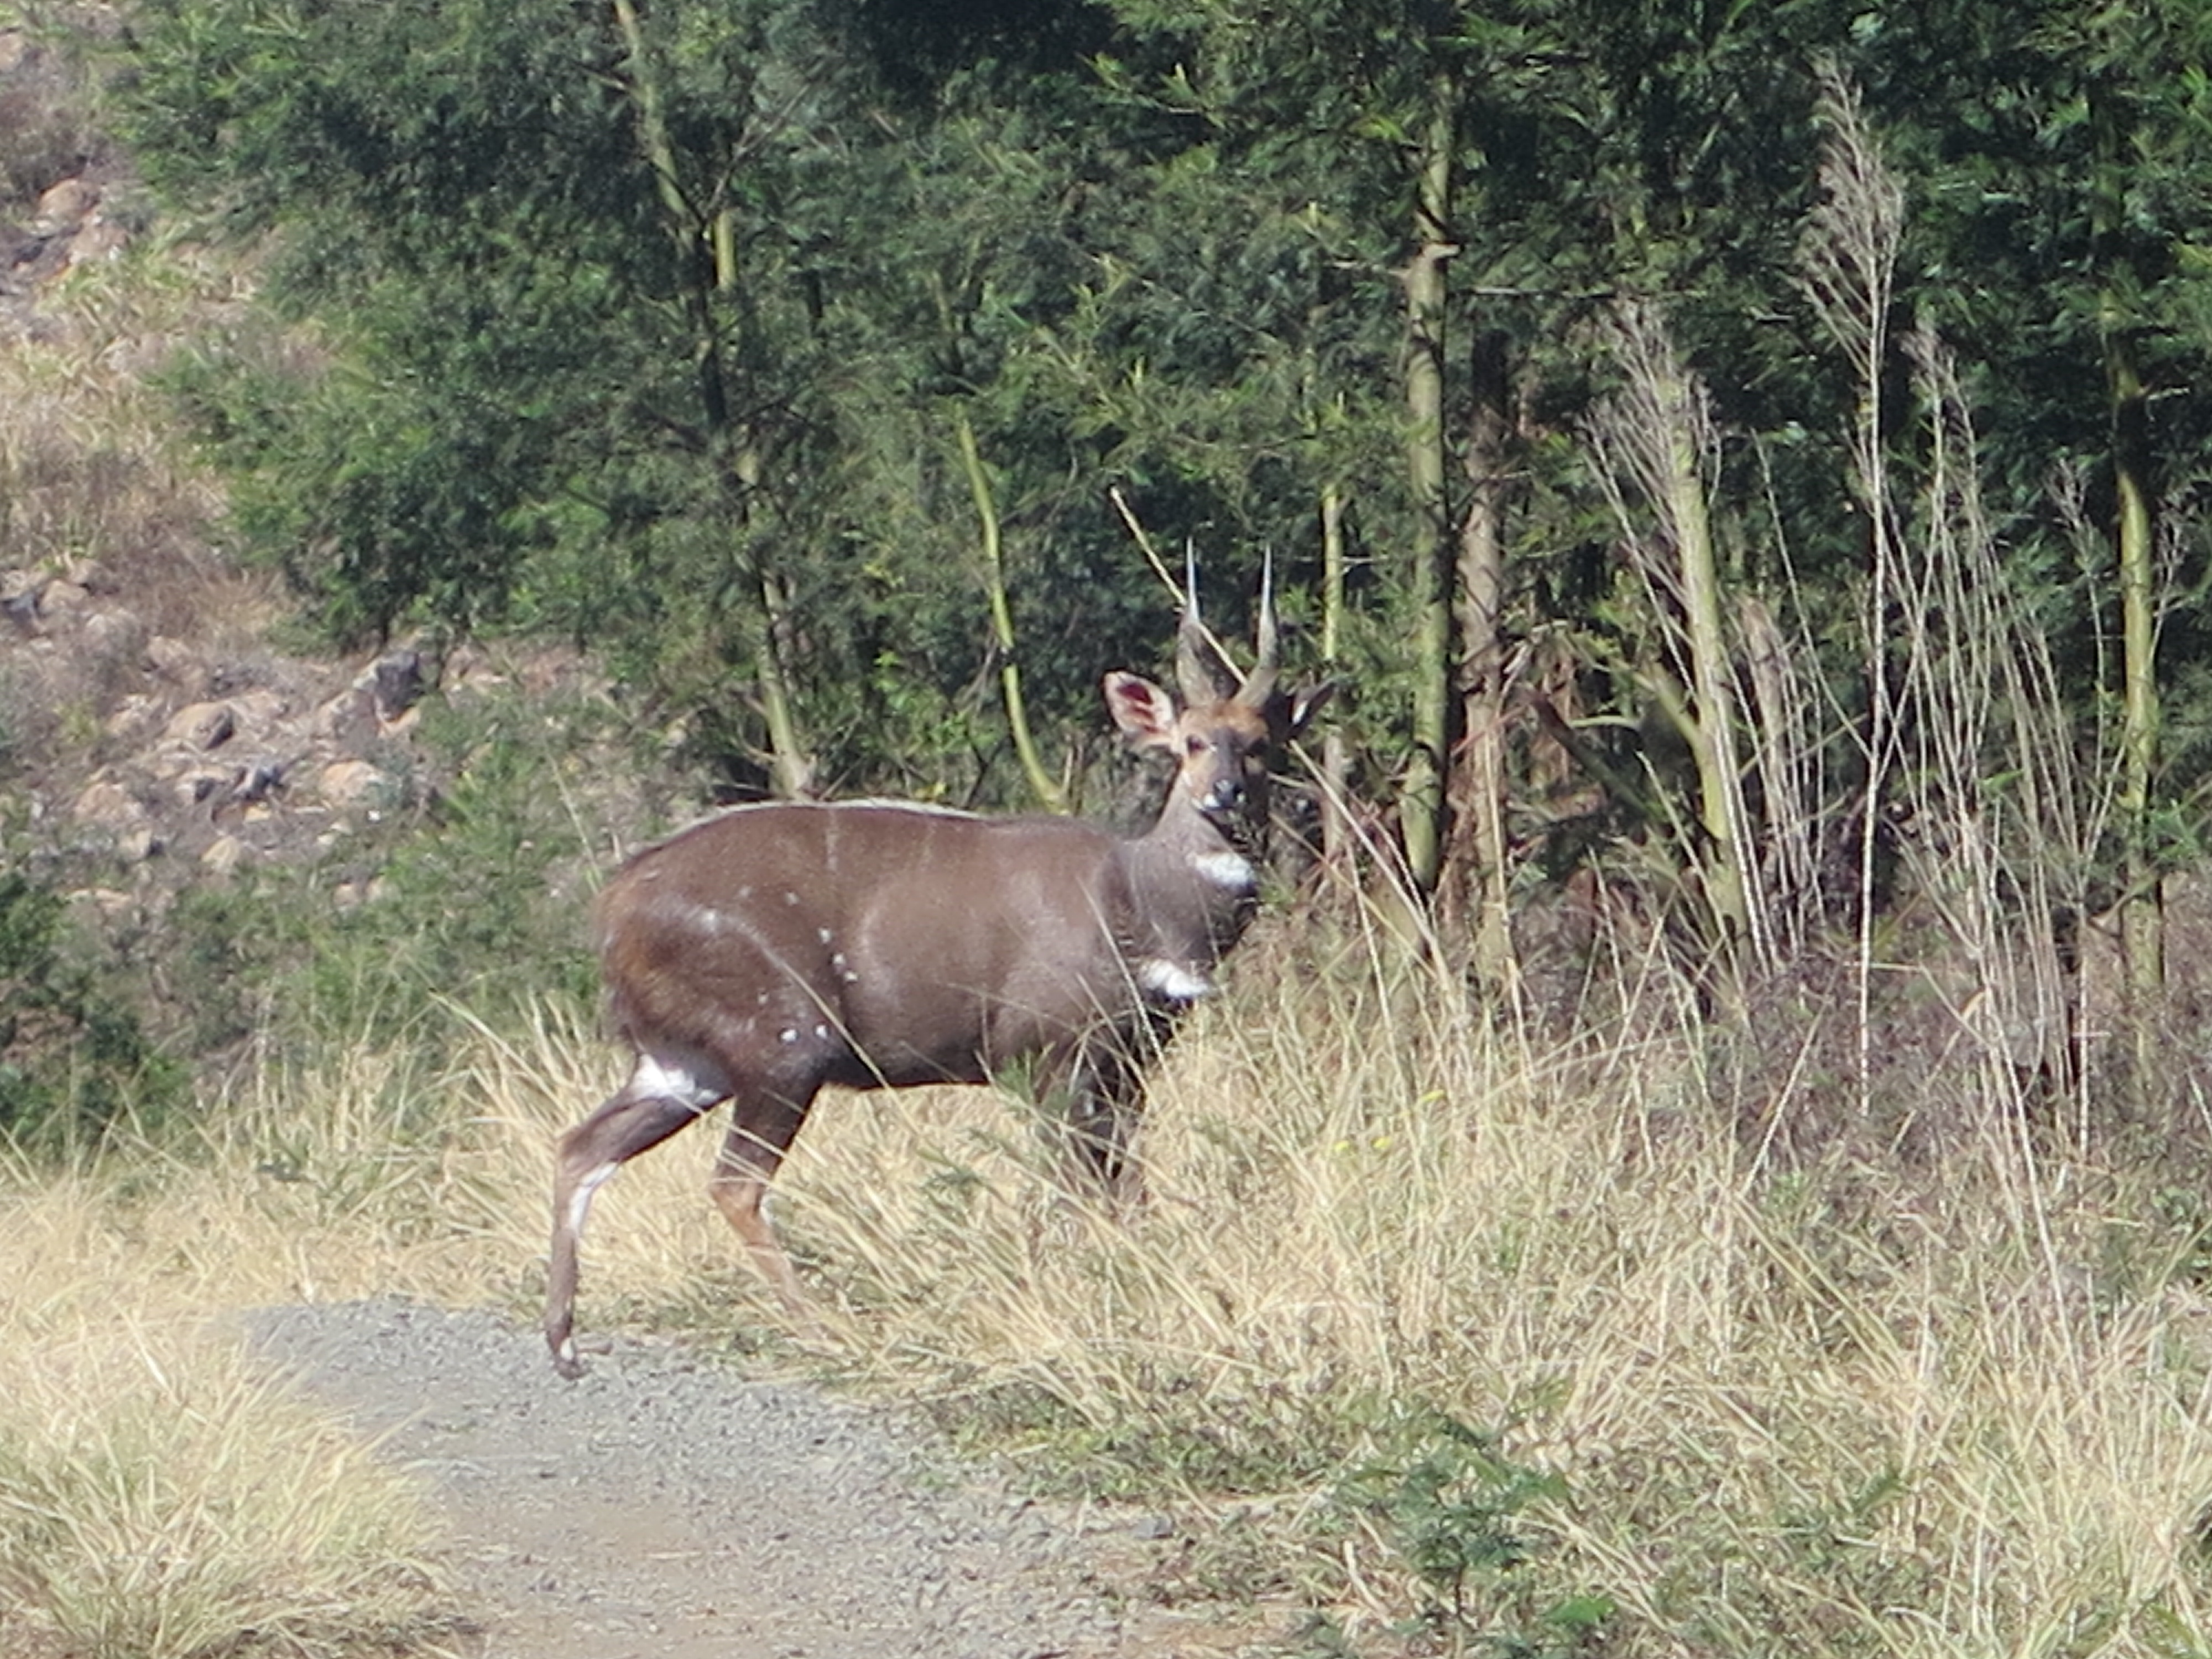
1105, 1103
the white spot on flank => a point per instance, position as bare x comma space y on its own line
655, 1078
580, 1202
822, 934
745, 892
821, 1030
790, 898
1230, 869
1172, 981
789, 1034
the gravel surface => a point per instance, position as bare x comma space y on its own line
665, 1508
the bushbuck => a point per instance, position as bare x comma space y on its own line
779, 947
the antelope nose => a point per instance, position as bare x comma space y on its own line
1224, 795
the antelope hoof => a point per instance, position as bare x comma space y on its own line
567, 1355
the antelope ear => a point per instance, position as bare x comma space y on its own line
1145, 714
1305, 704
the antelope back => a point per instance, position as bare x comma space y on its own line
873, 944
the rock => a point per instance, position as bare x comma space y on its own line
109, 902
135, 720
106, 805
259, 707
258, 781
348, 720
202, 725
179, 664
224, 854
64, 598
64, 206
352, 783
395, 680
19, 599
99, 240
115, 635
200, 784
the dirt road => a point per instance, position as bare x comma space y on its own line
662, 1508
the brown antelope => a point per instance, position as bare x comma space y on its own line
776, 948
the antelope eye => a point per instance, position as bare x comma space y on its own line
1193, 745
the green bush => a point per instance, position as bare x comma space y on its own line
75, 1060
1456, 1503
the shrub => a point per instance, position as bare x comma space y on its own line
74, 1060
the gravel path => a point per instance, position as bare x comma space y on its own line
663, 1508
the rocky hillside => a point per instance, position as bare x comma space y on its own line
168, 730
153, 726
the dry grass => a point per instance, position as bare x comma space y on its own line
93, 469
158, 1499
1843, 1408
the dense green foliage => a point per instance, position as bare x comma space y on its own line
665, 329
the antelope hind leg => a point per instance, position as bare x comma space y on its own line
628, 1123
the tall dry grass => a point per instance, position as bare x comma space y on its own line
1844, 1408
159, 1498
1843, 1403
1849, 1404
1853, 1403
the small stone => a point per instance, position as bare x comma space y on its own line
115, 635
107, 804
64, 598
350, 783
177, 663
224, 854
64, 204
202, 725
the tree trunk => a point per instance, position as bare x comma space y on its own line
2142, 914
1479, 791
2142, 929
1422, 804
1338, 841
1712, 732
706, 264
1651, 439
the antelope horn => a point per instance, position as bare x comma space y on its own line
1198, 664
1260, 685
